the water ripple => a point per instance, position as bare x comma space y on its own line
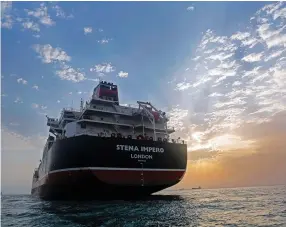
265, 206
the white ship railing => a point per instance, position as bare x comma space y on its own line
162, 129
109, 136
102, 111
104, 122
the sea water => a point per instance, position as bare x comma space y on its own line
257, 206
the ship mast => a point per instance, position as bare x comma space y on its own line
81, 105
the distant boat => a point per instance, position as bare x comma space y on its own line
197, 187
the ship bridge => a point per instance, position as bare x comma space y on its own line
105, 91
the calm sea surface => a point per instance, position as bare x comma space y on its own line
264, 206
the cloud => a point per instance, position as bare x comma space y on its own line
103, 68
5, 7
67, 72
91, 79
177, 118
13, 142
227, 91
191, 8
19, 152
6, 17
232, 105
18, 100
122, 74
240, 36
42, 15
38, 106
14, 124
48, 54
87, 30
272, 34
104, 41
21, 80
35, 105
30, 25
253, 57
36, 87
60, 12
183, 86
263, 162
7, 22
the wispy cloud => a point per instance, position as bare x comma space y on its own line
87, 30
122, 74
191, 8
38, 106
104, 41
103, 68
18, 100
22, 81
227, 91
5, 7
177, 118
30, 25
14, 124
35, 105
67, 72
36, 87
13, 141
183, 86
253, 57
6, 17
60, 12
42, 15
91, 79
48, 54
263, 161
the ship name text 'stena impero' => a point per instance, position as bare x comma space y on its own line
109, 150
135, 148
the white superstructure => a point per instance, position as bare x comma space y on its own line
104, 116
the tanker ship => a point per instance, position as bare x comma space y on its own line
107, 150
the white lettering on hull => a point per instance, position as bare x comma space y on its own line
141, 156
142, 148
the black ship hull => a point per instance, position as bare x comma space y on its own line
96, 167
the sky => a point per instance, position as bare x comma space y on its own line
216, 68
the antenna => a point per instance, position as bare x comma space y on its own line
81, 104
72, 105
